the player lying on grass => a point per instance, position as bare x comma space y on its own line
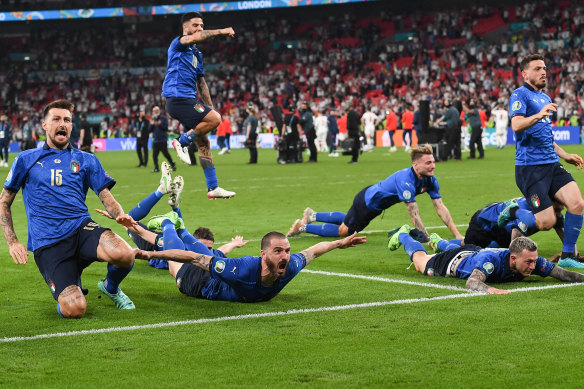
402, 186
247, 279
153, 241
479, 266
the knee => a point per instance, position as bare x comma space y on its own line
213, 118
343, 230
74, 309
124, 258
545, 224
577, 207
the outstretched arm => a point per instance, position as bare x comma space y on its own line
199, 260
476, 282
566, 275
114, 209
415, 217
235, 242
324, 247
201, 36
143, 233
444, 214
17, 250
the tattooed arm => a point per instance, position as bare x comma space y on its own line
201, 36
203, 92
199, 260
476, 282
114, 209
566, 275
444, 214
415, 217
17, 250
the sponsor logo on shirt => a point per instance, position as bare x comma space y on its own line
489, 267
75, 166
57, 160
219, 266
535, 201
516, 106
407, 194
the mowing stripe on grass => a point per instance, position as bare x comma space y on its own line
373, 278
266, 314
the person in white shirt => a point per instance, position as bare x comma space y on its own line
369, 120
501, 117
321, 126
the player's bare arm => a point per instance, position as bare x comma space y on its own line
203, 92
235, 242
201, 36
520, 123
444, 214
573, 159
182, 256
114, 209
516, 233
17, 250
415, 217
137, 229
565, 275
324, 247
476, 282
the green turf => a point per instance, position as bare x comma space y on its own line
521, 339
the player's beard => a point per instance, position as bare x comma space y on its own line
61, 144
539, 83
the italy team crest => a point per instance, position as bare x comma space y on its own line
535, 201
75, 166
199, 108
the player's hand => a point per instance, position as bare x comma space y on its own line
497, 291
228, 31
575, 160
141, 254
238, 241
548, 110
352, 241
19, 253
104, 213
126, 221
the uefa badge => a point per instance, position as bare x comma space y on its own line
407, 194
219, 266
75, 166
516, 106
489, 267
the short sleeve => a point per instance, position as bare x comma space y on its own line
543, 267
405, 189
175, 45
517, 106
16, 175
434, 189
98, 177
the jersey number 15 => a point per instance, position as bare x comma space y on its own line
56, 177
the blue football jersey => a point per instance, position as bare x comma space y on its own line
535, 145
495, 264
239, 279
54, 188
185, 66
402, 185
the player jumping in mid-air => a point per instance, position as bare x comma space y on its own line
188, 99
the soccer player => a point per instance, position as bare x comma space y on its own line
188, 99
247, 279
501, 117
369, 120
54, 181
402, 186
479, 266
538, 172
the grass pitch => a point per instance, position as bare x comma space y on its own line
323, 330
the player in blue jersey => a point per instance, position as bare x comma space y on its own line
402, 186
538, 172
54, 181
479, 266
199, 273
484, 230
188, 99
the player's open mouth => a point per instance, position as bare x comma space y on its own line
281, 266
61, 133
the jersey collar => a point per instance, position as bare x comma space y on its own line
46, 146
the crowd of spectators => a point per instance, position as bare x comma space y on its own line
382, 61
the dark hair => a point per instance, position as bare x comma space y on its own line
204, 233
267, 239
61, 104
190, 15
527, 59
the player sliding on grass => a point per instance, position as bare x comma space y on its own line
402, 186
188, 99
479, 266
247, 279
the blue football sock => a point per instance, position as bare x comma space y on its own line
572, 227
410, 244
186, 139
456, 241
170, 239
179, 213
526, 217
115, 275
59, 310
331, 217
144, 207
493, 245
211, 177
445, 245
323, 229
192, 243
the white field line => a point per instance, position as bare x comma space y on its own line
266, 314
